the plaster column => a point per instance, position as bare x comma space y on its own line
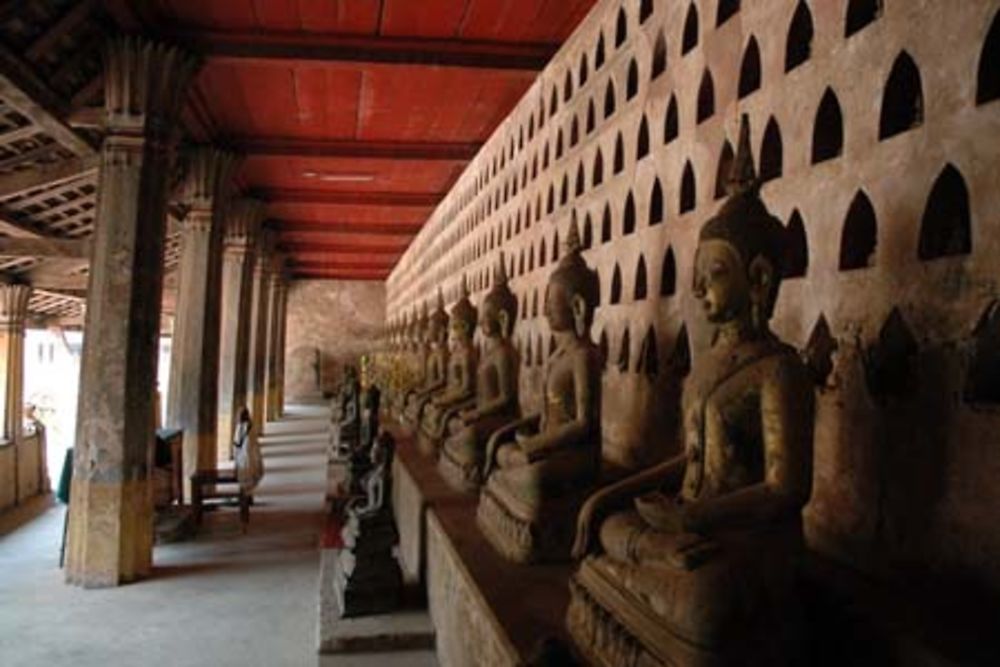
256, 367
282, 325
111, 509
271, 371
13, 311
194, 373
242, 229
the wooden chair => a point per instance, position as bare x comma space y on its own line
219, 485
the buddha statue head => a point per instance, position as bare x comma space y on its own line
740, 250
419, 336
462, 322
499, 309
437, 327
573, 290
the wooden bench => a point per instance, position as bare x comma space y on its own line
205, 485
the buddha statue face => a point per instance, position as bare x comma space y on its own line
721, 282
561, 304
489, 320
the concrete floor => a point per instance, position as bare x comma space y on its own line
222, 599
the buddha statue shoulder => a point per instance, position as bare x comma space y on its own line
460, 388
496, 401
704, 545
540, 468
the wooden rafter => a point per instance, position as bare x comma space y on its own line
395, 150
44, 247
47, 176
351, 198
343, 226
264, 47
22, 89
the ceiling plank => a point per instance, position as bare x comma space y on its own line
19, 182
396, 150
45, 247
264, 47
350, 198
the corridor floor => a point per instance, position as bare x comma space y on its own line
222, 599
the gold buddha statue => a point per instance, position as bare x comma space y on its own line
409, 362
461, 461
460, 391
435, 375
540, 469
690, 562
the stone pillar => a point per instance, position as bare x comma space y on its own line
13, 311
111, 509
259, 307
194, 374
271, 372
282, 324
237, 263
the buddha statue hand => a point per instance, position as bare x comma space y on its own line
500, 436
617, 496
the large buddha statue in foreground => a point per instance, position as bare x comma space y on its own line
461, 461
540, 469
691, 561
435, 375
460, 390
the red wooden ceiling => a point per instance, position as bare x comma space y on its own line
357, 116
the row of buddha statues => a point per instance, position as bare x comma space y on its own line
690, 561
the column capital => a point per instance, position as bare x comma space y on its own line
144, 86
14, 304
207, 178
243, 224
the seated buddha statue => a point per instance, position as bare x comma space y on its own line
690, 562
539, 469
413, 361
435, 375
461, 460
346, 426
460, 390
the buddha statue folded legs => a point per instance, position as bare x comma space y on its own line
464, 449
692, 562
459, 393
543, 466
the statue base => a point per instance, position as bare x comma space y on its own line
367, 579
463, 477
526, 534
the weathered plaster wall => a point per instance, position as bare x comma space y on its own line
905, 464
338, 319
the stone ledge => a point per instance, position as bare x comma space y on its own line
487, 610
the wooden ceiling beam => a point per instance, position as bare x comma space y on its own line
45, 247
66, 23
26, 180
320, 248
344, 226
22, 89
340, 274
264, 47
378, 150
350, 197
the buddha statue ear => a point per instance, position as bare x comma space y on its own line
762, 278
503, 319
579, 307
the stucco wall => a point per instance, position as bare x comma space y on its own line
338, 319
905, 462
